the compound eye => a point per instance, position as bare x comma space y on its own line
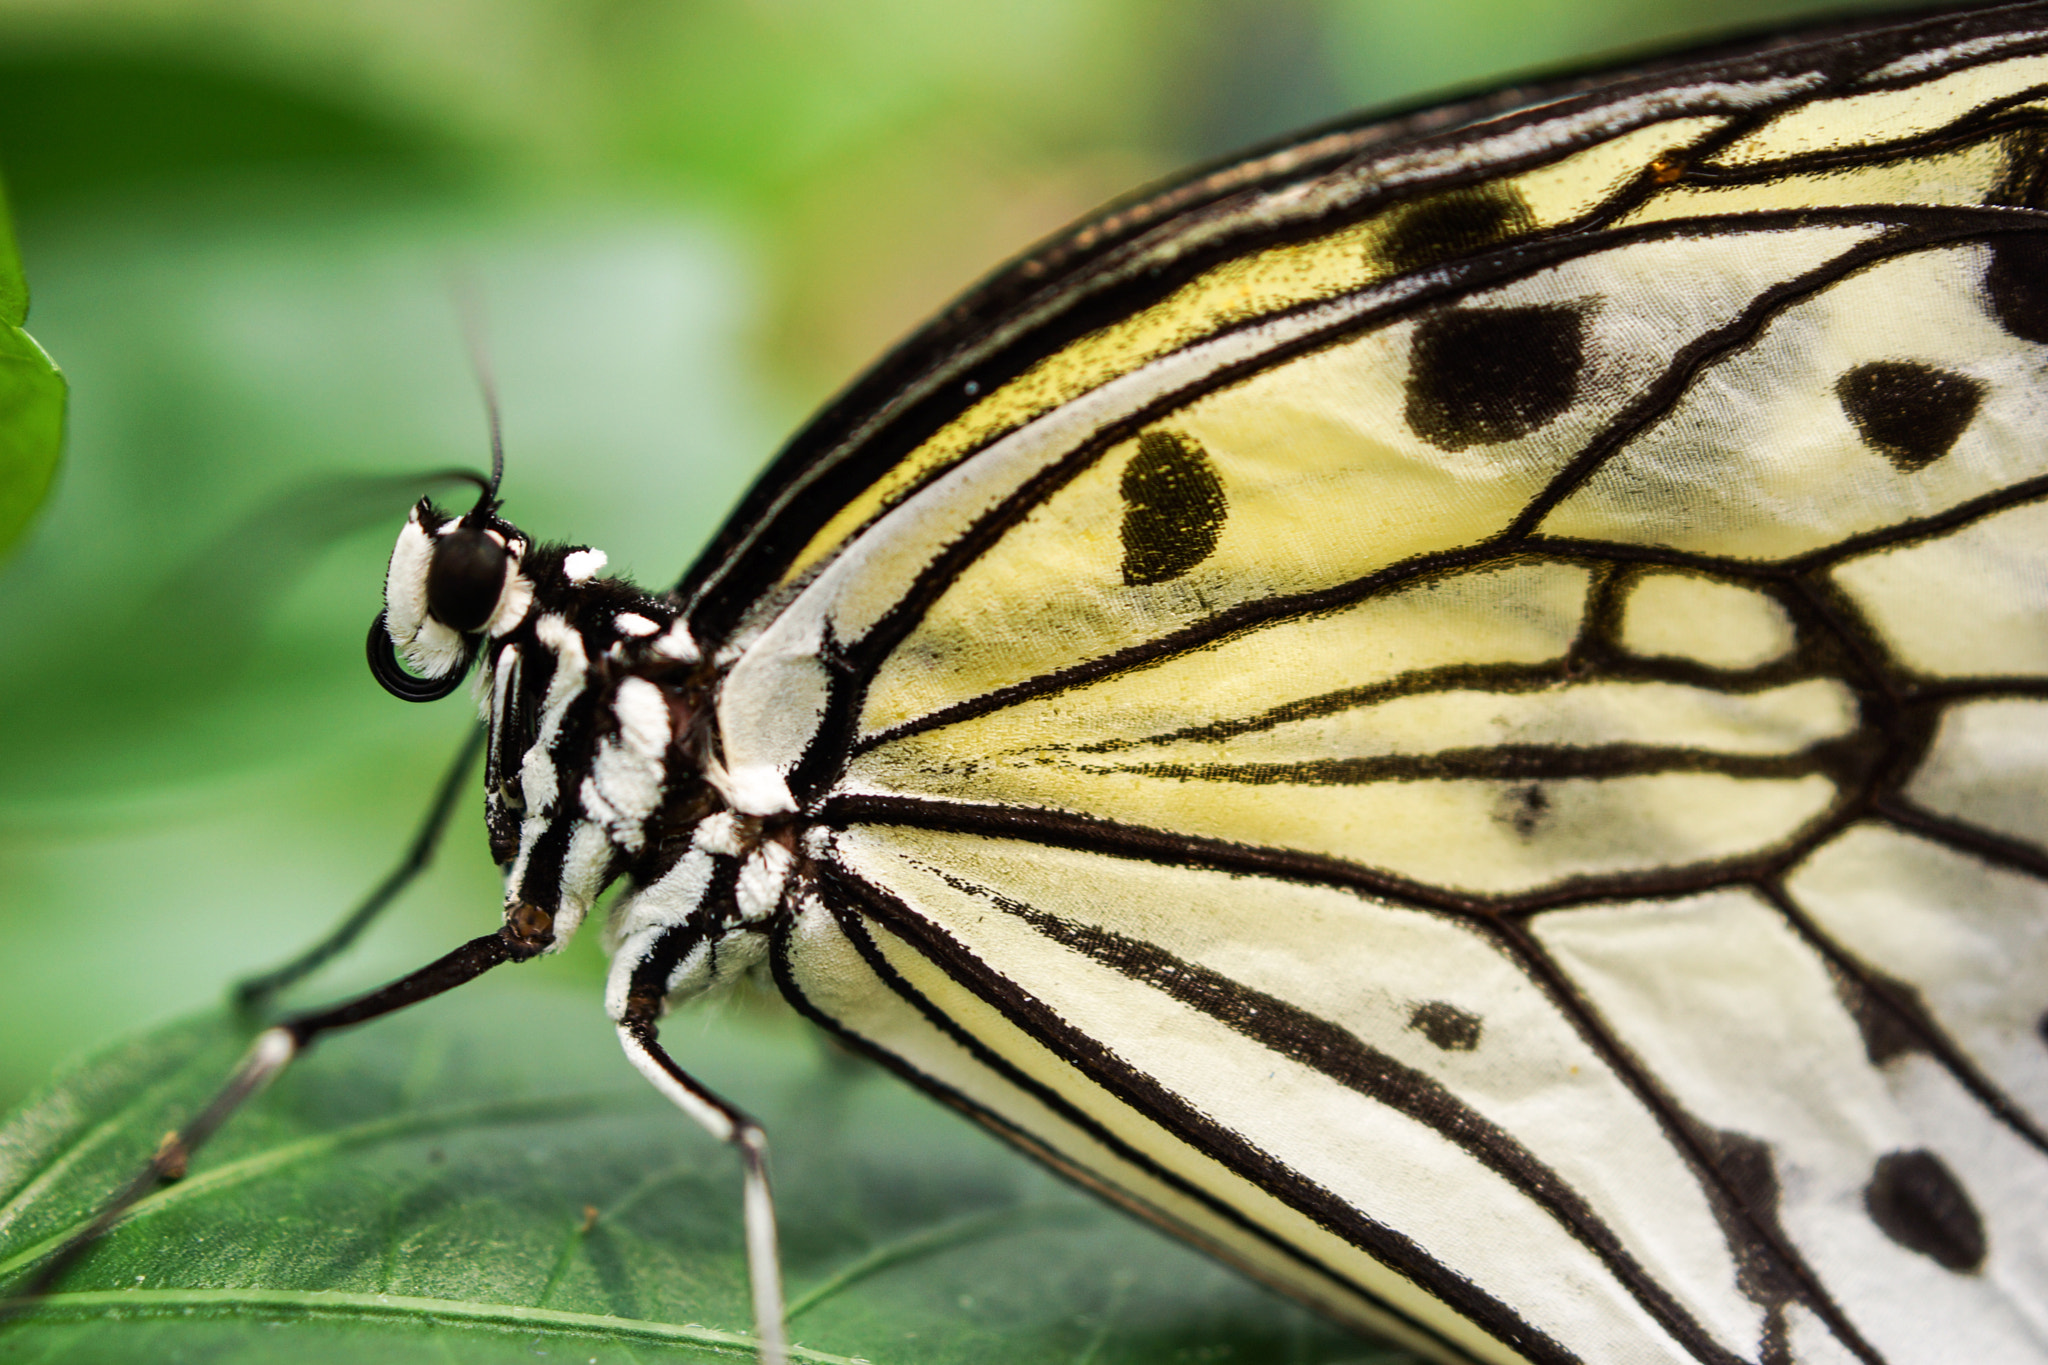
465, 579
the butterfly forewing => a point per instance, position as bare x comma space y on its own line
1477, 746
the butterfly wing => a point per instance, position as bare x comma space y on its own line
1478, 747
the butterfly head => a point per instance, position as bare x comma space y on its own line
453, 584
593, 698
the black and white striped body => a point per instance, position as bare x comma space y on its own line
602, 764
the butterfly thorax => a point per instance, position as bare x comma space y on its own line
602, 756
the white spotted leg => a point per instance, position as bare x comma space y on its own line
729, 1125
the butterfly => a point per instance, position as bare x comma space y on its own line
1454, 711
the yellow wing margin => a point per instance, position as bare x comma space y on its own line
1636, 161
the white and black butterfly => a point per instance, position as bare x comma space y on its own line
1455, 711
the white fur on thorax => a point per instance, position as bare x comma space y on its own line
626, 777
680, 894
720, 833
504, 679
677, 643
763, 878
539, 781
515, 599
649, 914
583, 876
632, 623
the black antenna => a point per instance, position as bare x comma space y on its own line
470, 309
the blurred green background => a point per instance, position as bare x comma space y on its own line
690, 221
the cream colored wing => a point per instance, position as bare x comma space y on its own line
1488, 761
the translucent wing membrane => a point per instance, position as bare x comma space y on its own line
1486, 757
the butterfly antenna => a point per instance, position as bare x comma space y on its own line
469, 306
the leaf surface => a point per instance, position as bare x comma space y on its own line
486, 1180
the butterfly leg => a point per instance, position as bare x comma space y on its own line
274, 1050
252, 996
728, 1124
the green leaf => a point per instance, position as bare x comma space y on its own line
484, 1179
31, 402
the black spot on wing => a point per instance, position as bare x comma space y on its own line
1173, 508
1886, 1033
1446, 1026
1480, 376
1890, 1014
1746, 1166
1750, 1178
1460, 223
1909, 412
1526, 809
1915, 1200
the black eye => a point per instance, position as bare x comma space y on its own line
465, 578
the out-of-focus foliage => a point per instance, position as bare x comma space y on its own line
688, 224
31, 403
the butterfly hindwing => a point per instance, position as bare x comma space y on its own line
1424, 1049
